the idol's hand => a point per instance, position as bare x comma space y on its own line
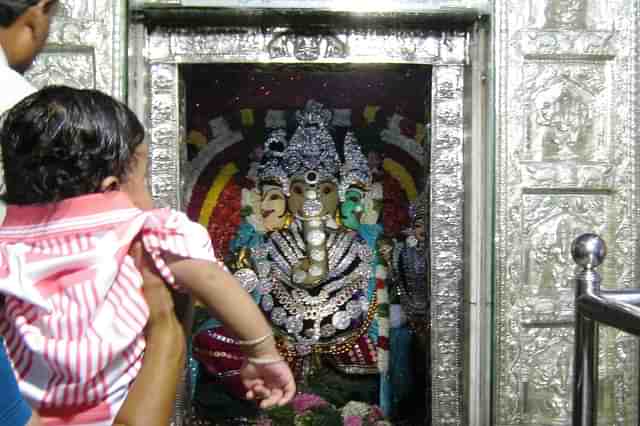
268, 380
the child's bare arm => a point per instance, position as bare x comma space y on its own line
227, 301
265, 375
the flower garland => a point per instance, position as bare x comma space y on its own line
226, 218
395, 208
309, 410
382, 316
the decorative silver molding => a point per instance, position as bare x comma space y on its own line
447, 289
165, 131
566, 108
435, 6
258, 45
306, 47
166, 48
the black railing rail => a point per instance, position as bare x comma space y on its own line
615, 308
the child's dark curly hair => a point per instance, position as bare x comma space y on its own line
62, 142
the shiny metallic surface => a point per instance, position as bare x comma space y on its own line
439, 6
565, 129
167, 47
166, 133
615, 308
86, 47
588, 250
446, 261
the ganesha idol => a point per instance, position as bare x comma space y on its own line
306, 254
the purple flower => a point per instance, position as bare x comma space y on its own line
353, 421
306, 401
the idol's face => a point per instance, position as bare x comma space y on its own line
273, 207
327, 193
352, 208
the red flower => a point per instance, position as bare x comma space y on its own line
395, 211
225, 218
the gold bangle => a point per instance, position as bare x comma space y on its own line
255, 342
265, 360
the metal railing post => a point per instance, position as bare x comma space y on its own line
617, 308
588, 251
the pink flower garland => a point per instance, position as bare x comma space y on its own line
307, 401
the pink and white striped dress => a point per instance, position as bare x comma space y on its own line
74, 311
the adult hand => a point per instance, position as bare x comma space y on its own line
271, 383
151, 397
162, 318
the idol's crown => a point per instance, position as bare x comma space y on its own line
313, 115
312, 149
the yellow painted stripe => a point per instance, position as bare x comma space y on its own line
398, 171
211, 200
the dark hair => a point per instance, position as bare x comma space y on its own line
62, 142
10, 10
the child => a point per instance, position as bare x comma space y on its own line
24, 26
75, 165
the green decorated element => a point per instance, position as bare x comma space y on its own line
246, 211
352, 208
383, 310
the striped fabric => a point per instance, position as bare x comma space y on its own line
74, 312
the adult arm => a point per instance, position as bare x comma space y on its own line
151, 397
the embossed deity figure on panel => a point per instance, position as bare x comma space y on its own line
314, 267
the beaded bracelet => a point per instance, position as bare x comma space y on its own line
255, 342
265, 360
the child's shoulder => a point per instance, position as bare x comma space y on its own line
172, 218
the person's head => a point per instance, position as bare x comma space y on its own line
24, 28
61, 142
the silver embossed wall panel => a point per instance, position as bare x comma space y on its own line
166, 48
86, 47
565, 165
